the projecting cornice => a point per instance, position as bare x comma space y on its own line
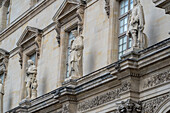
25, 17
164, 4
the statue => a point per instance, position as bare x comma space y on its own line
31, 73
34, 89
136, 26
1, 96
76, 55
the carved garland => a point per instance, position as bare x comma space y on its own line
152, 105
104, 98
157, 79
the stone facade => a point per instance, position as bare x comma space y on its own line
40, 30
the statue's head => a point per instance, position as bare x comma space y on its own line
75, 33
30, 62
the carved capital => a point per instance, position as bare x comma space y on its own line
130, 106
38, 44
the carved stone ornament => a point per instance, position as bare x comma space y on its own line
69, 10
164, 4
107, 7
103, 98
150, 106
65, 108
130, 106
31, 36
4, 57
157, 79
136, 26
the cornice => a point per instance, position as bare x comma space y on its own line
25, 17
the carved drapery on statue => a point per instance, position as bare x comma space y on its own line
76, 55
30, 79
136, 26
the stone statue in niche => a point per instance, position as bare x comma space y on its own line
136, 26
76, 55
31, 82
1, 96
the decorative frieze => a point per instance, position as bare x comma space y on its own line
152, 105
157, 79
103, 98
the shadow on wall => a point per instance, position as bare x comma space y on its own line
89, 63
9, 100
42, 86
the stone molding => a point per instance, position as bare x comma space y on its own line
30, 34
157, 79
18, 22
164, 4
103, 98
150, 106
62, 16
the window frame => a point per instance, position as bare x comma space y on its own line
122, 35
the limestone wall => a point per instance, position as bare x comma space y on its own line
96, 31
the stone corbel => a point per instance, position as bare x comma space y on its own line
20, 54
58, 29
80, 13
38, 44
107, 7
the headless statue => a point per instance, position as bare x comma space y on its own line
136, 26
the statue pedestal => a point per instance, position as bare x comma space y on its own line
25, 103
131, 53
134, 49
70, 83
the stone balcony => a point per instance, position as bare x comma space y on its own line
164, 4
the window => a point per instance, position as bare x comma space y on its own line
124, 41
33, 57
71, 37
